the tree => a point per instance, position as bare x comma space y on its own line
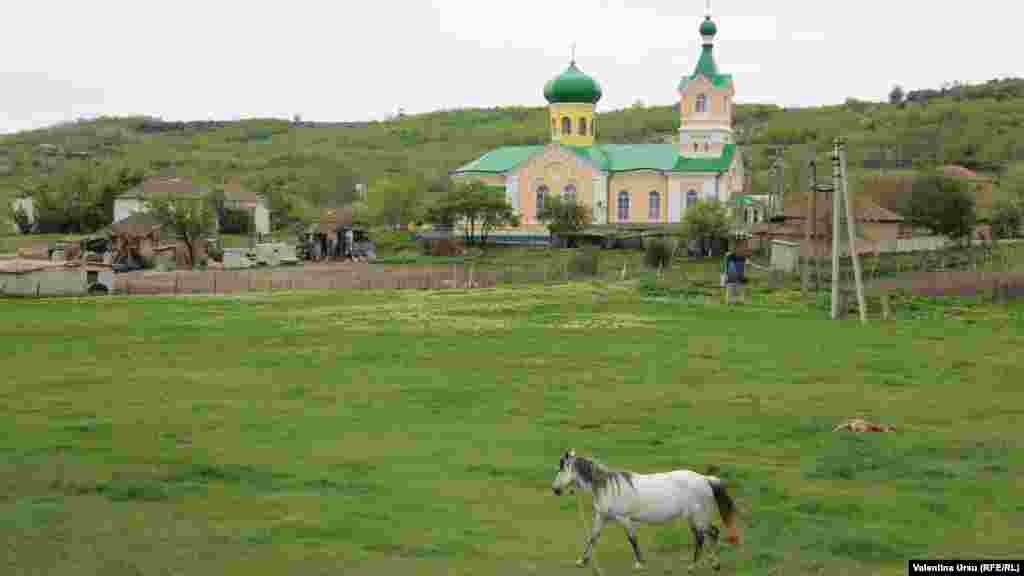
1007, 218
397, 202
191, 218
896, 95
475, 206
495, 212
707, 219
21, 220
942, 204
563, 217
1012, 183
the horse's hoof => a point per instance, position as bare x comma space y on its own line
581, 562
638, 566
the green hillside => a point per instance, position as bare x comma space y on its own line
302, 164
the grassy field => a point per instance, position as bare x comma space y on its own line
418, 433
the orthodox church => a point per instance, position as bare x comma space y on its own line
623, 183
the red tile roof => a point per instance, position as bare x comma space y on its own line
864, 209
166, 185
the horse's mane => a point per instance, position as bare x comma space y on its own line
599, 476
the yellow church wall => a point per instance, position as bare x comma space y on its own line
555, 168
639, 185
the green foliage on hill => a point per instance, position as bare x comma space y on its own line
302, 165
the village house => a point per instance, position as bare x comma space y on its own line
874, 225
237, 197
134, 200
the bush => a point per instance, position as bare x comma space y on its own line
21, 219
215, 252
1007, 218
942, 204
442, 247
585, 262
658, 253
391, 241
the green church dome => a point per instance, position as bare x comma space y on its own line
708, 28
572, 86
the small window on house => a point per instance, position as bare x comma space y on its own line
569, 194
623, 206
566, 125
541, 193
691, 198
583, 127
654, 206
702, 103
696, 147
706, 147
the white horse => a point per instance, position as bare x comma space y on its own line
629, 498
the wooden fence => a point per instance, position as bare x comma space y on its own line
304, 278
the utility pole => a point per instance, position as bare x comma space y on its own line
836, 228
805, 166
842, 207
851, 218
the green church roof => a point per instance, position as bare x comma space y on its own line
706, 67
708, 28
611, 158
706, 64
572, 86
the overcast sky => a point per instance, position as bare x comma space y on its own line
345, 60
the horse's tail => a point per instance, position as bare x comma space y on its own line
727, 508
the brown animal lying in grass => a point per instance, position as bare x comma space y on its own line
862, 425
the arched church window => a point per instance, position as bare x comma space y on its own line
702, 103
542, 191
696, 147
583, 127
654, 206
566, 125
623, 206
569, 194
